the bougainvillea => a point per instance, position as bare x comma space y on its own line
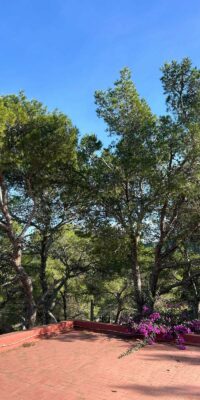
194, 325
153, 324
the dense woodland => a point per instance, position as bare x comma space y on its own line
96, 233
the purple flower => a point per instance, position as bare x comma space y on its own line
168, 336
194, 325
181, 347
163, 329
180, 340
181, 329
145, 309
154, 317
151, 325
157, 330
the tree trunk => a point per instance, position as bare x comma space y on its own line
138, 293
198, 309
50, 297
156, 269
64, 298
64, 307
26, 284
16, 242
154, 282
192, 288
43, 280
92, 310
118, 314
154, 279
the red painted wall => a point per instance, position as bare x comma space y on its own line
16, 339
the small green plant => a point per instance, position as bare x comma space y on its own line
139, 345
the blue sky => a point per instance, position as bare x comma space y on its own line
61, 51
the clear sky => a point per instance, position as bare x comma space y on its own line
60, 51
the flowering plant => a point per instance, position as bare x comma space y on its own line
194, 325
153, 324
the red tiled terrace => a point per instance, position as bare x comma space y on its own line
83, 365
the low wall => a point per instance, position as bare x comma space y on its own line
16, 339
190, 338
104, 328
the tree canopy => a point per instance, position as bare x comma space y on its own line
99, 232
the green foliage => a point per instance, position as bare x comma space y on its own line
36, 145
102, 230
181, 83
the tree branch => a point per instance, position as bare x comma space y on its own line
180, 283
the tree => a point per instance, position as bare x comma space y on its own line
128, 166
178, 143
150, 172
99, 232
36, 147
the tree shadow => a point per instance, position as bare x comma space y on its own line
71, 336
85, 335
186, 392
178, 356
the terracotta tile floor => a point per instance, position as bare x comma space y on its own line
82, 365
